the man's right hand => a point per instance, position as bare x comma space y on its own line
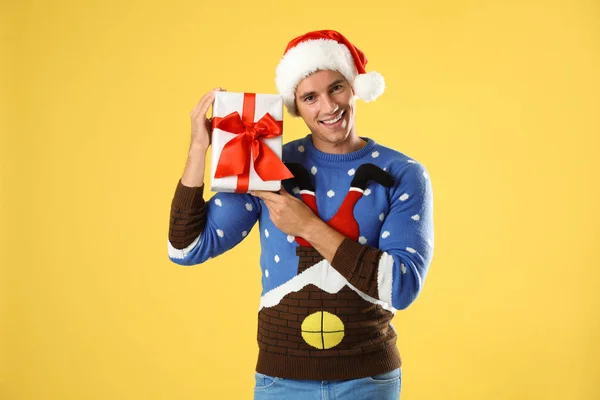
193, 175
202, 126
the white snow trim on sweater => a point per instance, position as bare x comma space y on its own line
180, 254
384, 278
322, 275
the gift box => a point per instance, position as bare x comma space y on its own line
247, 142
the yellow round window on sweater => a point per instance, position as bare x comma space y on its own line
322, 330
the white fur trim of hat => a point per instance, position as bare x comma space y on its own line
325, 50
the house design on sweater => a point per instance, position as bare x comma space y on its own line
319, 313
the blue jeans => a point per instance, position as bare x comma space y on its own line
379, 387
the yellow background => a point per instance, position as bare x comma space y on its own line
498, 99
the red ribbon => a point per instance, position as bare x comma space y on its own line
235, 157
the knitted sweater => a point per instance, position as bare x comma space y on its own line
319, 320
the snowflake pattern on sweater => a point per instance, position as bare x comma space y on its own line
397, 220
321, 320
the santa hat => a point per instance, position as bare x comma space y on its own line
325, 50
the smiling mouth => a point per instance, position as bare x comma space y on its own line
334, 120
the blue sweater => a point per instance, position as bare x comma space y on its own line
398, 220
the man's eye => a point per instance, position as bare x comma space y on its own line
308, 98
336, 88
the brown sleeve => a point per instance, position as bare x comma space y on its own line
188, 215
359, 264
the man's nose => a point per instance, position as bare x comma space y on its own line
329, 105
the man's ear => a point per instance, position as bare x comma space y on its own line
297, 109
354, 95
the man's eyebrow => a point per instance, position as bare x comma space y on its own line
306, 94
312, 93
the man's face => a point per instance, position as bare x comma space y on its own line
325, 101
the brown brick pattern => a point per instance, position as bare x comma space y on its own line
366, 325
188, 215
359, 264
307, 257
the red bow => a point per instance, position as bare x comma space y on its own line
235, 157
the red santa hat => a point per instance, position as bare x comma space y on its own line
325, 50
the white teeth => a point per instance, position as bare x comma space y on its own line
333, 121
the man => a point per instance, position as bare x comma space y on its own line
345, 243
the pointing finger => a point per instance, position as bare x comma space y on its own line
284, 192
265, 195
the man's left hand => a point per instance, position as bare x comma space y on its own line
288, 213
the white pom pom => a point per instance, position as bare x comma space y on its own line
369, 86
